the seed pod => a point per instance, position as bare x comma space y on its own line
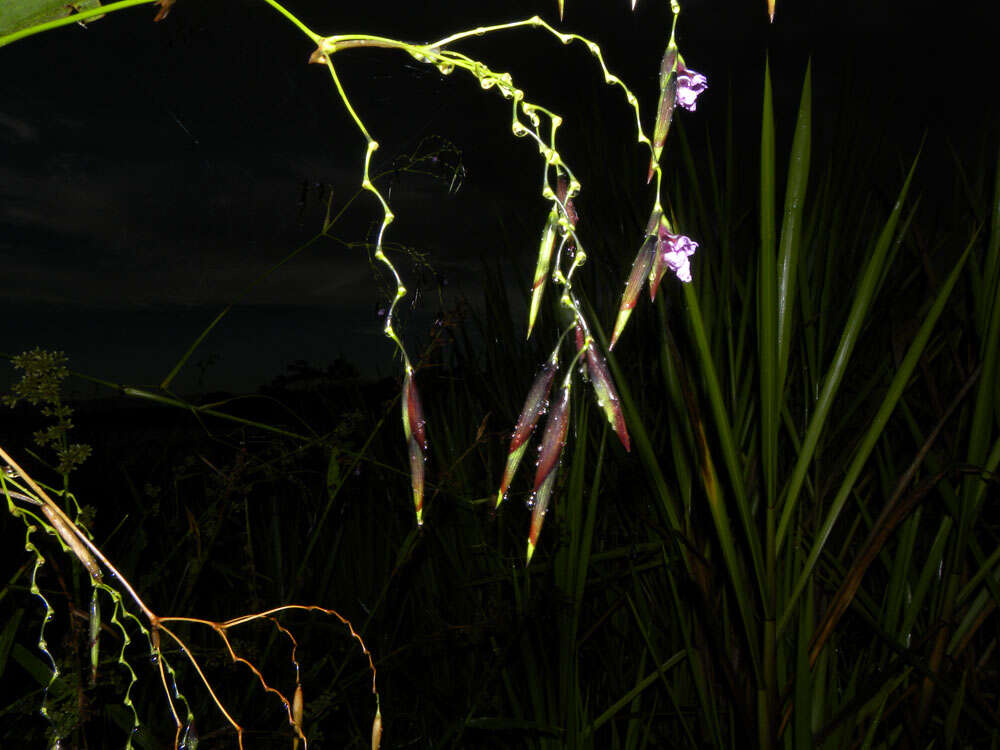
607, 396
415, 428
581, 340
377, 730
95, 635
414, 424
665, 108
640, 269
534, 406
538, 511
549, 453
297, 706
416, 477
542, 267
659, 262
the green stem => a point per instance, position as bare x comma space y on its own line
100, 10
301, 26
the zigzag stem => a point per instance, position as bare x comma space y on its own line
76, 541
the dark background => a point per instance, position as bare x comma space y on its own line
150, 172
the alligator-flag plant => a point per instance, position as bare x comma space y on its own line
561, 254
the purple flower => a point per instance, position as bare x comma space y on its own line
675, 250
689, 85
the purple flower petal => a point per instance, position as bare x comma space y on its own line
689, 85
676, 249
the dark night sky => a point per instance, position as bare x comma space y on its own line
149, 172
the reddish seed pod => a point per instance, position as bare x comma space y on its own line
553, 443
665, 108
413, 413
415, 428
640, 269
534, 405
554, 439
607, 396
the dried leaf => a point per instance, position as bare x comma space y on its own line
165, 6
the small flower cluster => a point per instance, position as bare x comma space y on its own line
661, 251
662, 248
678, 85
